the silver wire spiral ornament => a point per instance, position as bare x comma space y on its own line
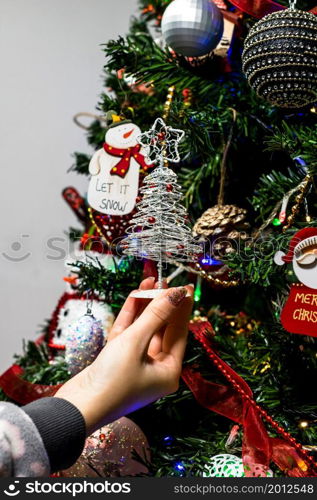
159, 230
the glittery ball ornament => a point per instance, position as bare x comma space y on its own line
84, 341
192, 27
110, 452
226, 465
280, 58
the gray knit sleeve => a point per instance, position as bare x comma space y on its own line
62, 429
22, 452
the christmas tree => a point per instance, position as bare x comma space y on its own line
247, 172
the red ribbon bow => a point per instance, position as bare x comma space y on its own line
122, 167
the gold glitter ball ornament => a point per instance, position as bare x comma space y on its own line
280, 58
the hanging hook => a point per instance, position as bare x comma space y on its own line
292, 4
89, 302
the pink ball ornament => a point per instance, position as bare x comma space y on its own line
108, 452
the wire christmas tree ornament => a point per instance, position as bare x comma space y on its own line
159, 230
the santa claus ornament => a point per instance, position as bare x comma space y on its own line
299, 314
116, 168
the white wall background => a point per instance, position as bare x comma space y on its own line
51, 67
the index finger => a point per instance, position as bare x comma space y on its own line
157, 314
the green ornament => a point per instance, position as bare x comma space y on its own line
231, 466
224, 466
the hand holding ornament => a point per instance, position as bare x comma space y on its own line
141, 362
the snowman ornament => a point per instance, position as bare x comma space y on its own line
299, 314
115, 168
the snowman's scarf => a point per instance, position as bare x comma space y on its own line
122, 167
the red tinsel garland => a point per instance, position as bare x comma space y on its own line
236, 402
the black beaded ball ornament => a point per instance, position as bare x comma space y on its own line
280, 58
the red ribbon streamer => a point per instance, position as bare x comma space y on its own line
122, 167
21, 391
76, 202
236, 403
260, 8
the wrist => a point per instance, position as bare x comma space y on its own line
80, 392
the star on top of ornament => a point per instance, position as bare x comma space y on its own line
161, 142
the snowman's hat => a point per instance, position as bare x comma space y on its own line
113, 120
302, 239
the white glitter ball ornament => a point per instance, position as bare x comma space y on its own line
192, 27
84, 341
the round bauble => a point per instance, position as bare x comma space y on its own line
109, 452
84, 341
224, 466
192, 27
280, 58
227, 465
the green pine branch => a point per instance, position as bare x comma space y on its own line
113, 285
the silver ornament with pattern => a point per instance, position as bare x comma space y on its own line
280, 58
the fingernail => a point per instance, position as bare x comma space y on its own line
176, 295
150, 278
192, 285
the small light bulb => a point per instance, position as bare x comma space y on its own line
303, 424
276, 222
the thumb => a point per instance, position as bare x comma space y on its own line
157, 314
